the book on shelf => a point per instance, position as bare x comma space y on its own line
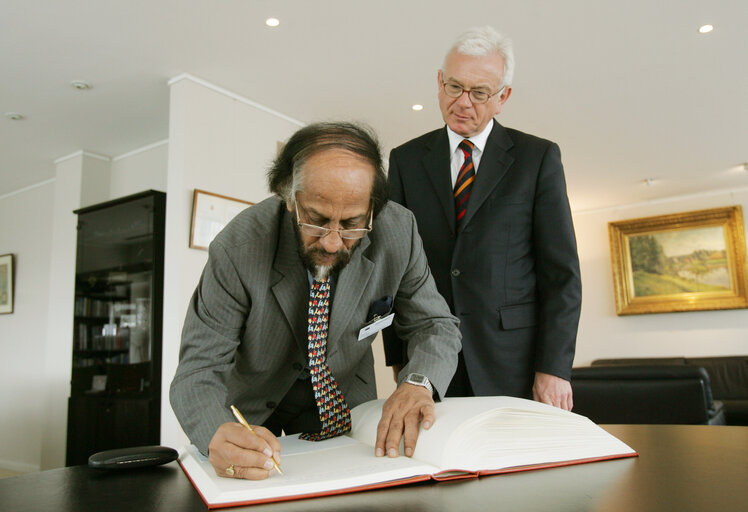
471, 437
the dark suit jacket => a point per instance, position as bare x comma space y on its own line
245, 335
511, 275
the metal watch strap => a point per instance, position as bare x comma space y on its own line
425, 382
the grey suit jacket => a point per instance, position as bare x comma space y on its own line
244, 338
511, 274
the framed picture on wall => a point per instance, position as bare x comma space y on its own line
681, 262
210, 214
6, 283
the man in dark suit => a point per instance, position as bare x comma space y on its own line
497, 230
282, 320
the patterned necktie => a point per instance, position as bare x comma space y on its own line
334, 416
464, 183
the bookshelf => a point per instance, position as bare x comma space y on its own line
115, 389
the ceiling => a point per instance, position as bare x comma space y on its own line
630, 90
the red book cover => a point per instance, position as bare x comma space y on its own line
479, 435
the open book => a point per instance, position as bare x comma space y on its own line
470, 437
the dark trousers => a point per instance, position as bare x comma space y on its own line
297, 412
460, 385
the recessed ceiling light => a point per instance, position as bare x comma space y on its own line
272, 22
14, 116
417, 107
81, 85
705, 29
737, 169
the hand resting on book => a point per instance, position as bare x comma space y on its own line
552, 390
472, 437
407, 408
250, 456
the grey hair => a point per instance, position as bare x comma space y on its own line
480, 41
285, 177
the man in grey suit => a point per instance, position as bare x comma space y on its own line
251, 333
494, 217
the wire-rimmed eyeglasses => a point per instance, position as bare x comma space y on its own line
455, 90
321, 231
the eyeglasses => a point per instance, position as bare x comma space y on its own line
321, 231
454, 90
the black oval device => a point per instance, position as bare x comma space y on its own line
135, 457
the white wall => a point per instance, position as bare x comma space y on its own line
140, 170
81, 179
27, 233
603, 334
36, 340
221, 143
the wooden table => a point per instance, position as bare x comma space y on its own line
680, 468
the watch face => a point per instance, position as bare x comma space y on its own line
417, 379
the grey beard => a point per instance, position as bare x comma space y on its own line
321, 271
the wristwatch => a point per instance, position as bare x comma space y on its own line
419, 380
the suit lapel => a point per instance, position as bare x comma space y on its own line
289, 282
494, 164
352, 282
436, 165
290, 286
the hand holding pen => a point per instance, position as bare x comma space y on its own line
241, 420
237, 450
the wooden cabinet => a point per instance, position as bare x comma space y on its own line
115, 390
98, 423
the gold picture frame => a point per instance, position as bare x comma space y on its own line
6, 284
210, 214
690, 261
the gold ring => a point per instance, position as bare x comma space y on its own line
230, 470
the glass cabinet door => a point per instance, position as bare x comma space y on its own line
115, 395
117, 273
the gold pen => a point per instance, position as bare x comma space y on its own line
241, 420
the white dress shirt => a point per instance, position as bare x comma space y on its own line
458, 157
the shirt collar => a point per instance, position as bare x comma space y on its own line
478, 140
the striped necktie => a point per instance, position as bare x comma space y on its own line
334, 416
464, 183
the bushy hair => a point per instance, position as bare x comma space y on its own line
286, 173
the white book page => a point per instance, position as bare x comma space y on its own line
364, 420
308, 467
518, 437
469, 434
489, 433
451, 414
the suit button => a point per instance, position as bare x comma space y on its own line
271, 405
297, 366
455, 272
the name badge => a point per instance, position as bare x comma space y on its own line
375, 326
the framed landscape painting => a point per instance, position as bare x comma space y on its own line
681, 262
6, 283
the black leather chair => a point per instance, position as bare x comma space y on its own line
728, 376
646, 394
